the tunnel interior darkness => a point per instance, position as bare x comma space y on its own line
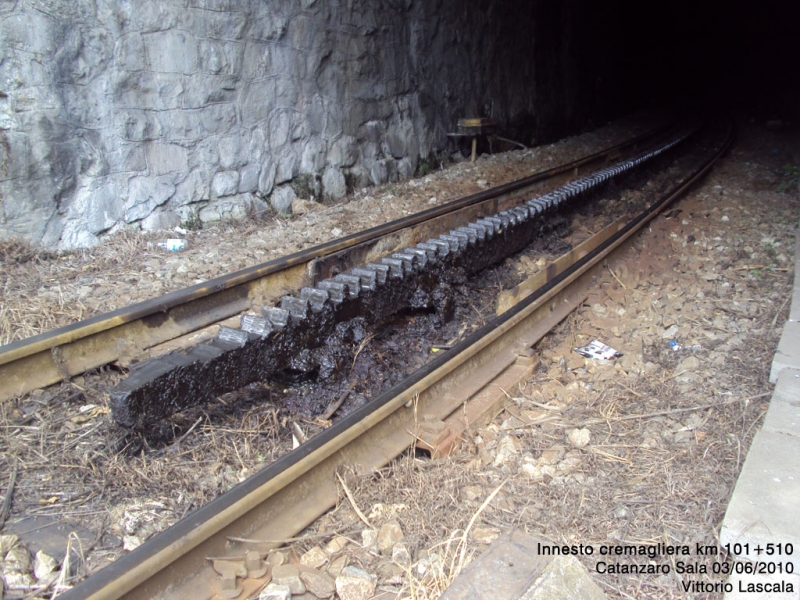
740, 56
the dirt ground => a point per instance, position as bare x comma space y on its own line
587, 452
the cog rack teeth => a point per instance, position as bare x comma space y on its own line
419, 253
442, 246
257, 325
279, 317
297, 307
353, 283
381, 271
315, 297
368, 277
472, 235
337, 291
430, 250
494, 222
396, 266
482, 231
453, 242
463, 238
410, 261
233, 337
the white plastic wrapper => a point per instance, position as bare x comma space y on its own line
597, 350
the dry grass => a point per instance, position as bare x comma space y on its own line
41, 290
76, 466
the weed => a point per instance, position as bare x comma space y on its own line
192, 222
305, 186
350, 182
431, 163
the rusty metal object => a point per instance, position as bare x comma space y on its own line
288, 495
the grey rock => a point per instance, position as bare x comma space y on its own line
564, 577
274, 591
333, 183
343, 152
78, 239
396, 144
321, 585
313, 158
287, 165
268, 28
192, 189
232, 151
266, 180
389, 534
406, 168
171, 93
225, 183
161, 220
171, 52
355, 584
145, 194
148, 90
289, 576
167, 158
248, 180
98, 209
379, 172
236, 207
281, 199
218, 118
206, 89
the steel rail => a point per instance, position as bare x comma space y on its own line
283, 498
127, 332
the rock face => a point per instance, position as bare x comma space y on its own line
114, 111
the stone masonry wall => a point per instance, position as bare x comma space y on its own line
143, 113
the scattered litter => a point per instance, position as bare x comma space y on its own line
598, 350
173, 244
677, 347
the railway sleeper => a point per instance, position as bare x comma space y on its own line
285, 338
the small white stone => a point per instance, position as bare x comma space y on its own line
355, 584
401, 555
275, 592
579, 437
336, 232
44, 565
315, 558
131, 542
369, 538
389, 534
507, 448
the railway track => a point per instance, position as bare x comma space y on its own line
141, 330
429, 408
